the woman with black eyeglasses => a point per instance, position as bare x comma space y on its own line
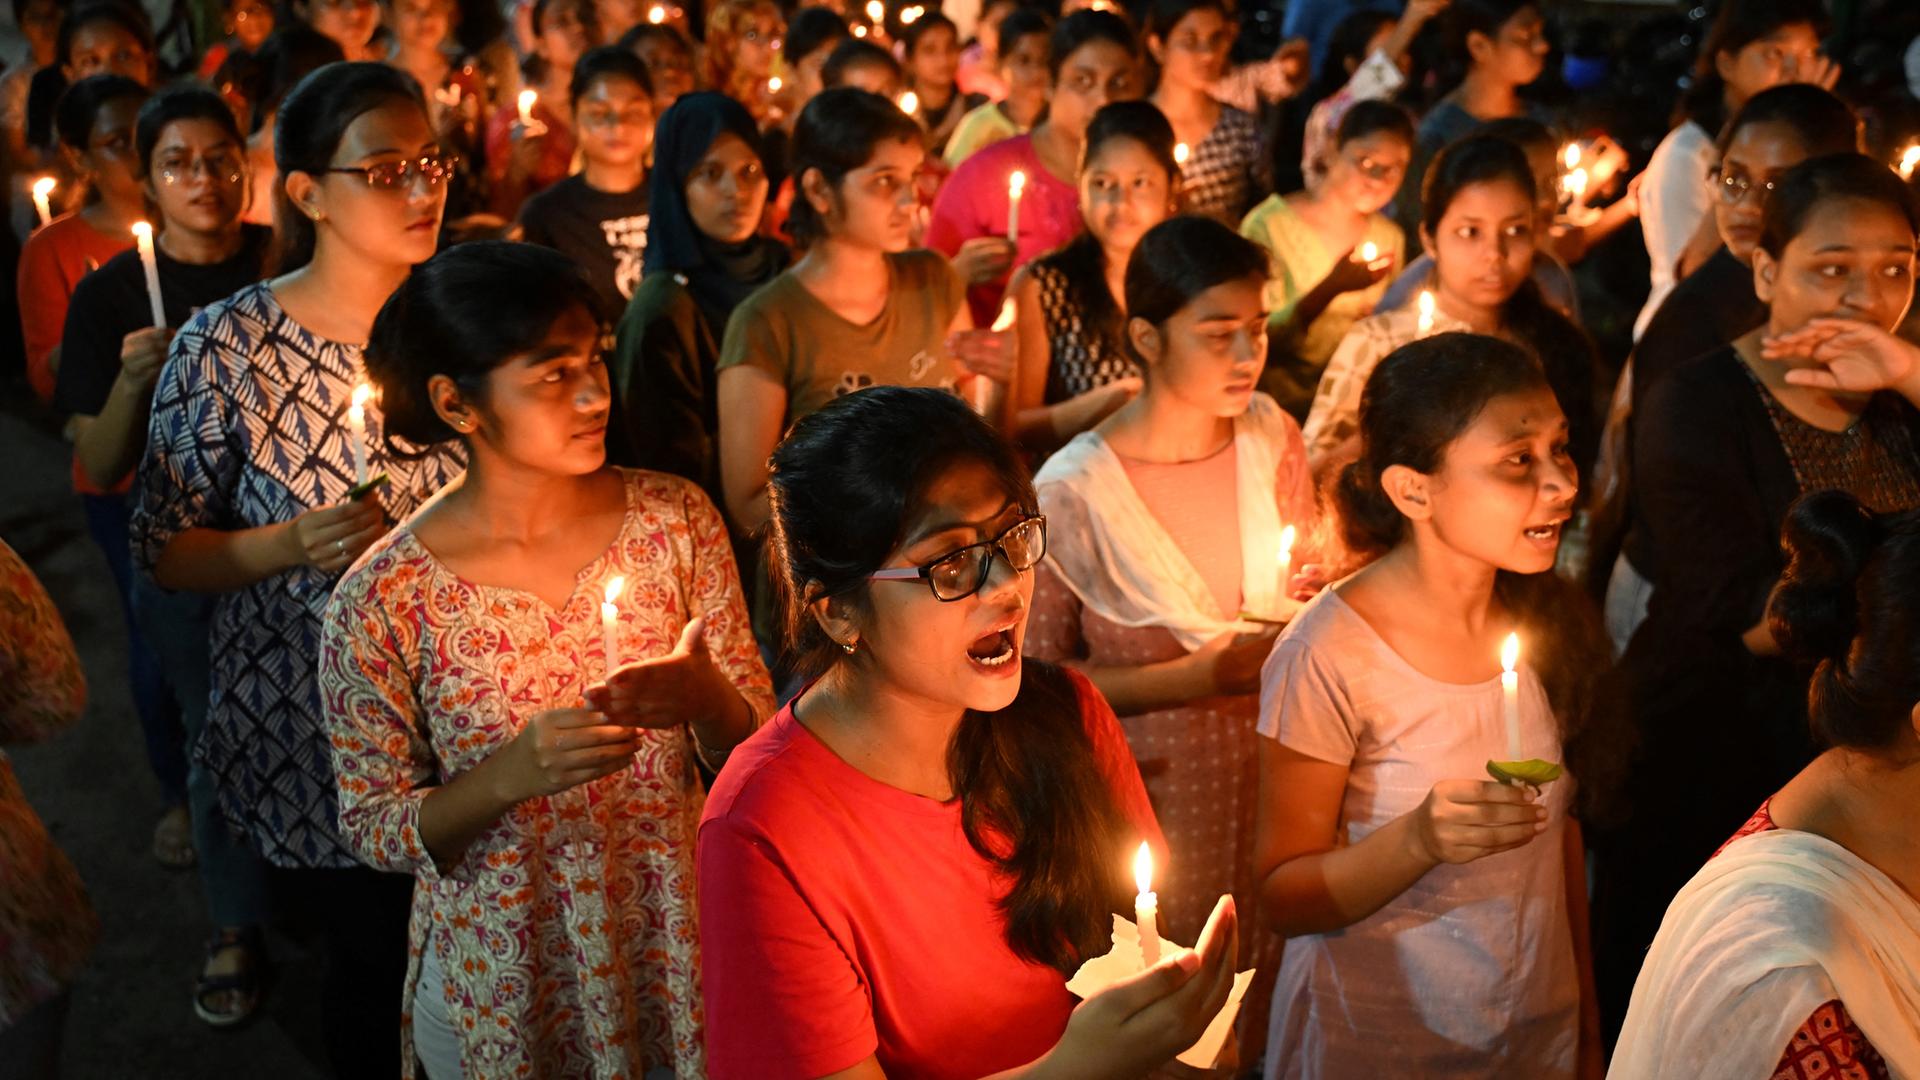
250, 490
193, 168
899, 871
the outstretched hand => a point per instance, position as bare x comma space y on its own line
668, 691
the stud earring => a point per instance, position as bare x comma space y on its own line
850, 647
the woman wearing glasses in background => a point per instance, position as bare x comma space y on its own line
900, 870
245, 492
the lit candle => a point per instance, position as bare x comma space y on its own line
773, 84
527, 98
610, 623
143, 239
42, 191
1577, 187
909, 15
1016, 184
980, 388
860, 31
1368, 252
1004, 321
1426, 312
1146, 906
1284, 563
876, 11
1570, 156
1909, 160
357, 426
1510, 694
656, 14
909, 102
1180, 154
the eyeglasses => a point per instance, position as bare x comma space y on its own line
1735, 187
224, 168
388, 175
963, 573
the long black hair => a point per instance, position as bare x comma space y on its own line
1420, 399
1179, 259
843, 488
307, 131
1081, 261
1845, 604
1739, 24
1567, 353
462, 314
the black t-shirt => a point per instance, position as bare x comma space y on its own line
603, 232
111, 303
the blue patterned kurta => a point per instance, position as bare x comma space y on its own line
249, 428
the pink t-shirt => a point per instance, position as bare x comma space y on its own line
841, 918
973, 202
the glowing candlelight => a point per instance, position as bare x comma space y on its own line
1909, 160
1577, 188
1180, 154
1570, 157
773, 84
1004, 321
860, 31
1283, 565
143, 239
527, 98
909, 102
1510, 694
42, 191
1016, 184
357, 427
656, 14
1368, 252
1146, 906
448, 95
610, 623
909, 15
1426, 312
876, 11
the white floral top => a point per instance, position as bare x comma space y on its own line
567, 931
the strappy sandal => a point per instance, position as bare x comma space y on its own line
240, 989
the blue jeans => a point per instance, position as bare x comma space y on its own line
153, 700
234, 878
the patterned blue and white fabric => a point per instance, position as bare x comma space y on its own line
249, 428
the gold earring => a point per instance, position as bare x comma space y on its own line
850, 647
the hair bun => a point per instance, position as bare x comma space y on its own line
1814, 610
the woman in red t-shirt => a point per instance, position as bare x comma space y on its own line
898, 873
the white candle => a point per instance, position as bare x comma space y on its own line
143, 239
357, 426
1146, 906
1016, 184
1284, 566
1510, 694
610, 624
1181, 152
1368, 252
527, 98
909, 103
1577, 187
1909, 159
42, 191
1426, 312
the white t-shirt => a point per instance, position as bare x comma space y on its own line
1673, 201
1470, 972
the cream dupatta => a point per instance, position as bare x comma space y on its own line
1775, 926
1114, 554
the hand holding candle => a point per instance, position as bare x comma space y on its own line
526, 103
43, 193
143, 239
1532, 772
610, 626
1016, 184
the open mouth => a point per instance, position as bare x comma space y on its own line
1545, 534
993, 650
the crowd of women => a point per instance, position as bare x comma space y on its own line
700, 540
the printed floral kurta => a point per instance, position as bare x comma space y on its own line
567, 930
47, 927
249, 428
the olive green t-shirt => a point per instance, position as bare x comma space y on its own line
787, 332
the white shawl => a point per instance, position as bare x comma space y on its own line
1772, 928
1109, 549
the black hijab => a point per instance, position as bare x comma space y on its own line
719, 275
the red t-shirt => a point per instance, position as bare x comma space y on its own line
973, 202
52, 262
841, 918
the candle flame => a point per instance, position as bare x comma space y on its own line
1510, 653
361, 395
143, 230
773, 84
1143, 868
1369, 251
908, 16
876, 11
43, 187
1016, 183
527, 98
1571, 155
1287, 536
1181, 153
656, 14
1005, 319
860, 31
909, 103
614, 586
1577, 183
1909, 160
1426, 307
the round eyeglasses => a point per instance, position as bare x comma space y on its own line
962, 573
